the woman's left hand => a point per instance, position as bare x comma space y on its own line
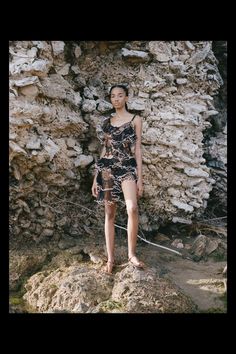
139, 188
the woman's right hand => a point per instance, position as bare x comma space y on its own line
95, 189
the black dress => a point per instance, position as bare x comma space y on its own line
118, 162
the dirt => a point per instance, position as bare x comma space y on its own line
203, 281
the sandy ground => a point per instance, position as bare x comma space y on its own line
202, 281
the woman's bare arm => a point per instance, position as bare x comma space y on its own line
138, 151
138, 155
94, 186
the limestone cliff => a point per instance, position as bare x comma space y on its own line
58, 99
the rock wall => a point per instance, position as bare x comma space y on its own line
58, 100
216, 138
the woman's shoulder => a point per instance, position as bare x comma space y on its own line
137, 118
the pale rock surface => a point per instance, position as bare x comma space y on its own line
57, 106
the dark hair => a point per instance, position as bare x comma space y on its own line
124, 87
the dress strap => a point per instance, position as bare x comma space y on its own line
133, 117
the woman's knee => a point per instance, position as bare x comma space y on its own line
132, 209
110, 212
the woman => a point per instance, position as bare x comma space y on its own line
119, 172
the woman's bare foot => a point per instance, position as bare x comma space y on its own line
109, 267
136, 262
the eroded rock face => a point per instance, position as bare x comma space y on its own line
22, 263
216, 138
58, 100
81, 289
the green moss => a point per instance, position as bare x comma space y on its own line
15, 300
110, 305
16, 297
219, 256
19, 304
215, 310
53, 286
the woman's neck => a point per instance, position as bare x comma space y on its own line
121, 113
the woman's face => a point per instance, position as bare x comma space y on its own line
118, 97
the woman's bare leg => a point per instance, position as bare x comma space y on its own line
130, 194
110, 211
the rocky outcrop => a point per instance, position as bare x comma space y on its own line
80, 289
216, 138
71, 278
58, 100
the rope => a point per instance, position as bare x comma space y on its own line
121, 227
152, 243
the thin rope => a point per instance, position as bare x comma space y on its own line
152, 243
121, 227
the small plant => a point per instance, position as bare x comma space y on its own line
111, 305
15, 301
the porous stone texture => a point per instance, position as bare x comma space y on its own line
215, 142
83, 289
58, 100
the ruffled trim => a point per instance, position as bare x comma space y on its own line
118, 164
113, 191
